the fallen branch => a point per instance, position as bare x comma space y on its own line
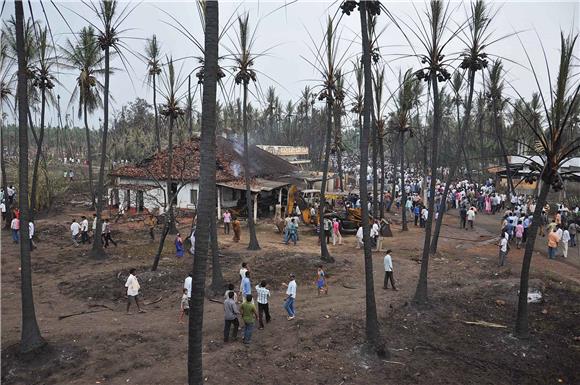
99, 305
394, 362
485, 324
152, 302
81, 313
215, 300
349, 286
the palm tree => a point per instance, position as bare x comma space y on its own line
327, 62
367, 8
432, 38
494, 94
404, 103
86, 57
171, 109
30, 340
554, 146
153, 57
110, 20
211, 73
476, 39
244, 58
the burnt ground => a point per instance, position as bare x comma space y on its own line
325, 344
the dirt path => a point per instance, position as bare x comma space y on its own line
322, 346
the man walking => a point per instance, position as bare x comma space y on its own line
231, 313
553, 239
84, 230
388, 263
470, 217
15, 227
133, 287
106, 234
263, 295
290, 297
246, 285
249, 315
75, 230
503, 250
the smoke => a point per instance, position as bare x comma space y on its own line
236, 169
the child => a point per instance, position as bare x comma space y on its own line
321, 281
184, 306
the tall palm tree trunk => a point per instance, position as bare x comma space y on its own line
89, 155
463, 128
382, 178
375, 173
338, 144
189, 107
30, 339
170, 215
324, 254
157, 133
38, 154
421, 296
206, 194
394, 186
522, 329
97, 251
404, 225
373, 335
253, 245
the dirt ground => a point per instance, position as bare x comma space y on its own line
324, 345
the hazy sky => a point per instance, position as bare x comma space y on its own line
286, 34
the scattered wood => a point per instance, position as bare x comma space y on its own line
154, 301
215, 300
394, 362
485, 324
349, 286
99, 305
81, 313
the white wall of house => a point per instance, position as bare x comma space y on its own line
154, 198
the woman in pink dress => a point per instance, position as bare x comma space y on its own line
487, 204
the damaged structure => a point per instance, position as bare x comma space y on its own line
142, 187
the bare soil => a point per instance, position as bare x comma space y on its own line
325, 344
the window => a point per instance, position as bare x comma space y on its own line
193, 197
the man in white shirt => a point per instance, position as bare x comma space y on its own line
3, 210
263, 295
187, 285
564, 242
359, 238
424, 216
374, 234
388, 263
84, 230
31, 235
75, 230
133, 287
470, 217
503, 250
290, 297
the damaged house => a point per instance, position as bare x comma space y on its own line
142, 187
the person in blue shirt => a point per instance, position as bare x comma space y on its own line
246, 286
417, 212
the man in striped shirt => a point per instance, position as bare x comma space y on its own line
263, 295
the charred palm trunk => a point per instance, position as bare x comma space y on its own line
373, 336
34, 187
463, 128
522, 328
499, 134
157, 132
189, 107
338, 143
3, 170
324, 254
404, 227
206, 194
421, 296
382, 178
253, 245
30, 339
375, 171
170, 216
89, 155
97, 251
